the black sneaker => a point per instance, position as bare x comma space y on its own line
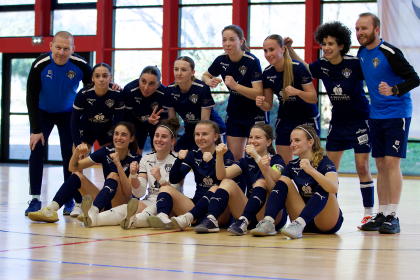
391, 225
374, 223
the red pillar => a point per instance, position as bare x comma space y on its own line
313, 20
42, 18
169, 39
240, 15
104, 31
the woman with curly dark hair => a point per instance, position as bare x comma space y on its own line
343, 79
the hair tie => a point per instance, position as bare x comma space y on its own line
173, 135
260, 127
306, 131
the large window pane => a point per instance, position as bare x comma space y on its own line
284, 20
347, 13
138, 28
275, 1
71, 1
202, 26
77, 22
16, 24
122, 3
203, 59
129, 64
16, 2
20, 73
19, 137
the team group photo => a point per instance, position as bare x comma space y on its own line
174, 161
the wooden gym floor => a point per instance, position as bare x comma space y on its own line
67, 250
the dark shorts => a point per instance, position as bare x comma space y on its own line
311, 226
186, 142
284, 128
389, 137
242, 128
89, 137
346, 136
141, 134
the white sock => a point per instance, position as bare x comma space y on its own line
393, 208
54, 206
140, 219
211, 217
368, 211
384, 209
112, 217
164, 217
189, 216
268, 218
301, 221
36, 196
244, 218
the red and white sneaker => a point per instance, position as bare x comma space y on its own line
364, 221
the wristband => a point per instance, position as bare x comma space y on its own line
162, 181
133, 176
258, 159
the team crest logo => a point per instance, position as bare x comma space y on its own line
307, 189
208, 181
194, 98
242, 69
346, 72
71, 74
375, 62
154, 104
109, 103
168, 167
99, 117
338, 90
190, 116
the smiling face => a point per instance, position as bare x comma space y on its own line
331, 49
299, 143
101, 77
148, 84
273, 52
122, 137
205, 137
231, 42
183, 71
61, 49
258, 138
162, 141
365, 31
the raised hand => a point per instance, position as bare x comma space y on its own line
385, 89
291, 91
115, 157
221, 149
265, 160
288, 42
207, 156
259, 101
250, 150
182, 154
82, 149
230, 82
155, 171
305, 165
154, 117
134, 167
214, 82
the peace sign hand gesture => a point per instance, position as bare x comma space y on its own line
154, 117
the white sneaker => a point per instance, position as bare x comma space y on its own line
160, 221
77, 210
294, 230
181, 221
90, 216
264, 228
132, 207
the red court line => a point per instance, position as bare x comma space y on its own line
89, 241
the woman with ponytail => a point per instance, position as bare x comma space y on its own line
291, 82
115, 160
261, 167
313, 207
96, 109
144, 97
241, 72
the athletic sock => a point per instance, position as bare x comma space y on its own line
384, 209
276, 200
112, 217
140, 219
37, 196
54, 206
164, 203
78, 197
301, 221
315, 204
255, 203
107, 193
218, 203
393, 208
67, 190
368, 195
200, 208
